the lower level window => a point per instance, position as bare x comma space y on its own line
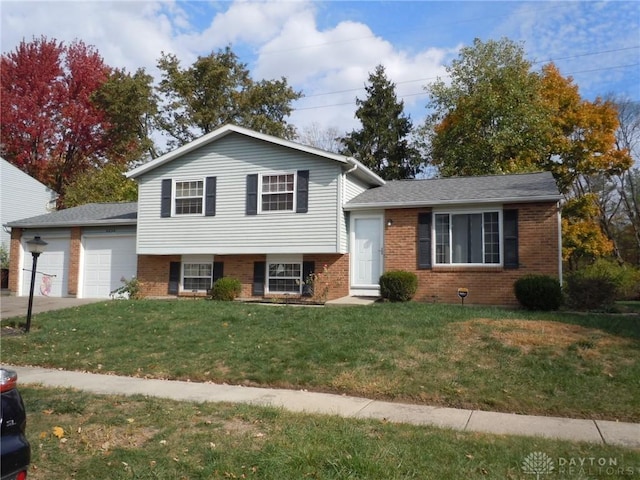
284, 277
197, 276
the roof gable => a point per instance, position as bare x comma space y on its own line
225, 130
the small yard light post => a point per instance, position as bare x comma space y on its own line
36, 246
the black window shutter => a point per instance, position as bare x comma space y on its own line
302, 193
259, 270
252, 194
174, 277
165, 205
307, 287
210, 197
510, 224
424, 240
218, 271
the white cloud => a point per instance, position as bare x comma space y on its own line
252, 23
332, 67
127, 34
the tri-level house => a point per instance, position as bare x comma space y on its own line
274, 214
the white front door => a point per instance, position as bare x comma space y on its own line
366, 253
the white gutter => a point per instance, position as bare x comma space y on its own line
466, 201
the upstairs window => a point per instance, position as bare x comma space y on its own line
277, 193
189, 197
467, 238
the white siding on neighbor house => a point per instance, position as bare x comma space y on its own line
231, 231
21, 196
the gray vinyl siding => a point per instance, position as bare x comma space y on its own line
352, 188
231, 231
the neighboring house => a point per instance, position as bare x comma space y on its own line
271, 212
21, 196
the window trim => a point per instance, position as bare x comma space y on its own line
174, 190
294, 193
467, 211
289, 260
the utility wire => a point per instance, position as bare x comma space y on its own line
533, 63
425, 93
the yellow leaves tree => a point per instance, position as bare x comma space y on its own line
582, 236
582, 139
582, 151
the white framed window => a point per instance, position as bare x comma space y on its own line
277, 192
468, 238
197, 273
284, 274
188, 197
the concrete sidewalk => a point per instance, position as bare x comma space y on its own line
578, 430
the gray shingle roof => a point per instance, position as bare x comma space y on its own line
526, 187
124, 213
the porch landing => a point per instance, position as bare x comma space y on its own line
352, 301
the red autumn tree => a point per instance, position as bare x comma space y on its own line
50, 127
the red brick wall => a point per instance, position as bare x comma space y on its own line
333, 275
153, 272
538, 254
74, 260
14, 259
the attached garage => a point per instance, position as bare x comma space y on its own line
52, 271
107, 260
89, 250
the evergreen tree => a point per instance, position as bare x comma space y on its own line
382, 144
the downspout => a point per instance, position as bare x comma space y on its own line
353, 169
559, 242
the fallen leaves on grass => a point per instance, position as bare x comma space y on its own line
527, 335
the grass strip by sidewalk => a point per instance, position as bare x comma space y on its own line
79, 435
480, 358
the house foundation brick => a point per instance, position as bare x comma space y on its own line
332, 271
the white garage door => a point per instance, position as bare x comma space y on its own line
106, 261
52, 271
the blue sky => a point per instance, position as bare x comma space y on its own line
327, 49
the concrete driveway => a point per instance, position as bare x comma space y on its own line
17, 306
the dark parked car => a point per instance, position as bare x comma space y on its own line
15, 451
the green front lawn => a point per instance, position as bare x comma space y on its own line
78, 435
493, 359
